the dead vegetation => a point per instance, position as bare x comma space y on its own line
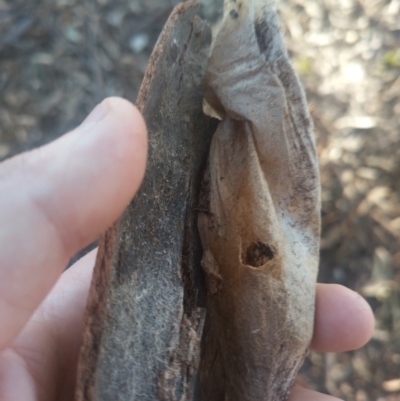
59, 58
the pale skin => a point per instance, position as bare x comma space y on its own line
57, 199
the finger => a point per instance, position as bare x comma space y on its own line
343, 319
58, 198
301, 394
49, 344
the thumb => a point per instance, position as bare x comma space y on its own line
58, 198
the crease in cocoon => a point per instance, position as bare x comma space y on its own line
260, 232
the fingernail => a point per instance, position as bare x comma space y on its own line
96, 115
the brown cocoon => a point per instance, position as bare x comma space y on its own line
260, 229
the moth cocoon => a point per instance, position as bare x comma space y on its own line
260, 232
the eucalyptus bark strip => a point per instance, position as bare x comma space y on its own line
258, 222
144, 317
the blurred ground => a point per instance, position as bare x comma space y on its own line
58, 58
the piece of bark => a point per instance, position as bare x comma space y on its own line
259, 226
145, 310
260, 232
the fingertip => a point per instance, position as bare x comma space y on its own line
131, 128
129, 116
343, 319
302, 394
127, 132
108, 165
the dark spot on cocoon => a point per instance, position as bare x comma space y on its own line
258, 254
234, 14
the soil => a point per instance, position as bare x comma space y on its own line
59, 58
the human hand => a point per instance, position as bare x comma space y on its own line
54, 201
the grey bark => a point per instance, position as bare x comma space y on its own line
145, 311
256, 202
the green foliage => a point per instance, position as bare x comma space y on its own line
391, 59
304, 65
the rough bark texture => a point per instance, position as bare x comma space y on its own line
258, 222
260, 232
144, 321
